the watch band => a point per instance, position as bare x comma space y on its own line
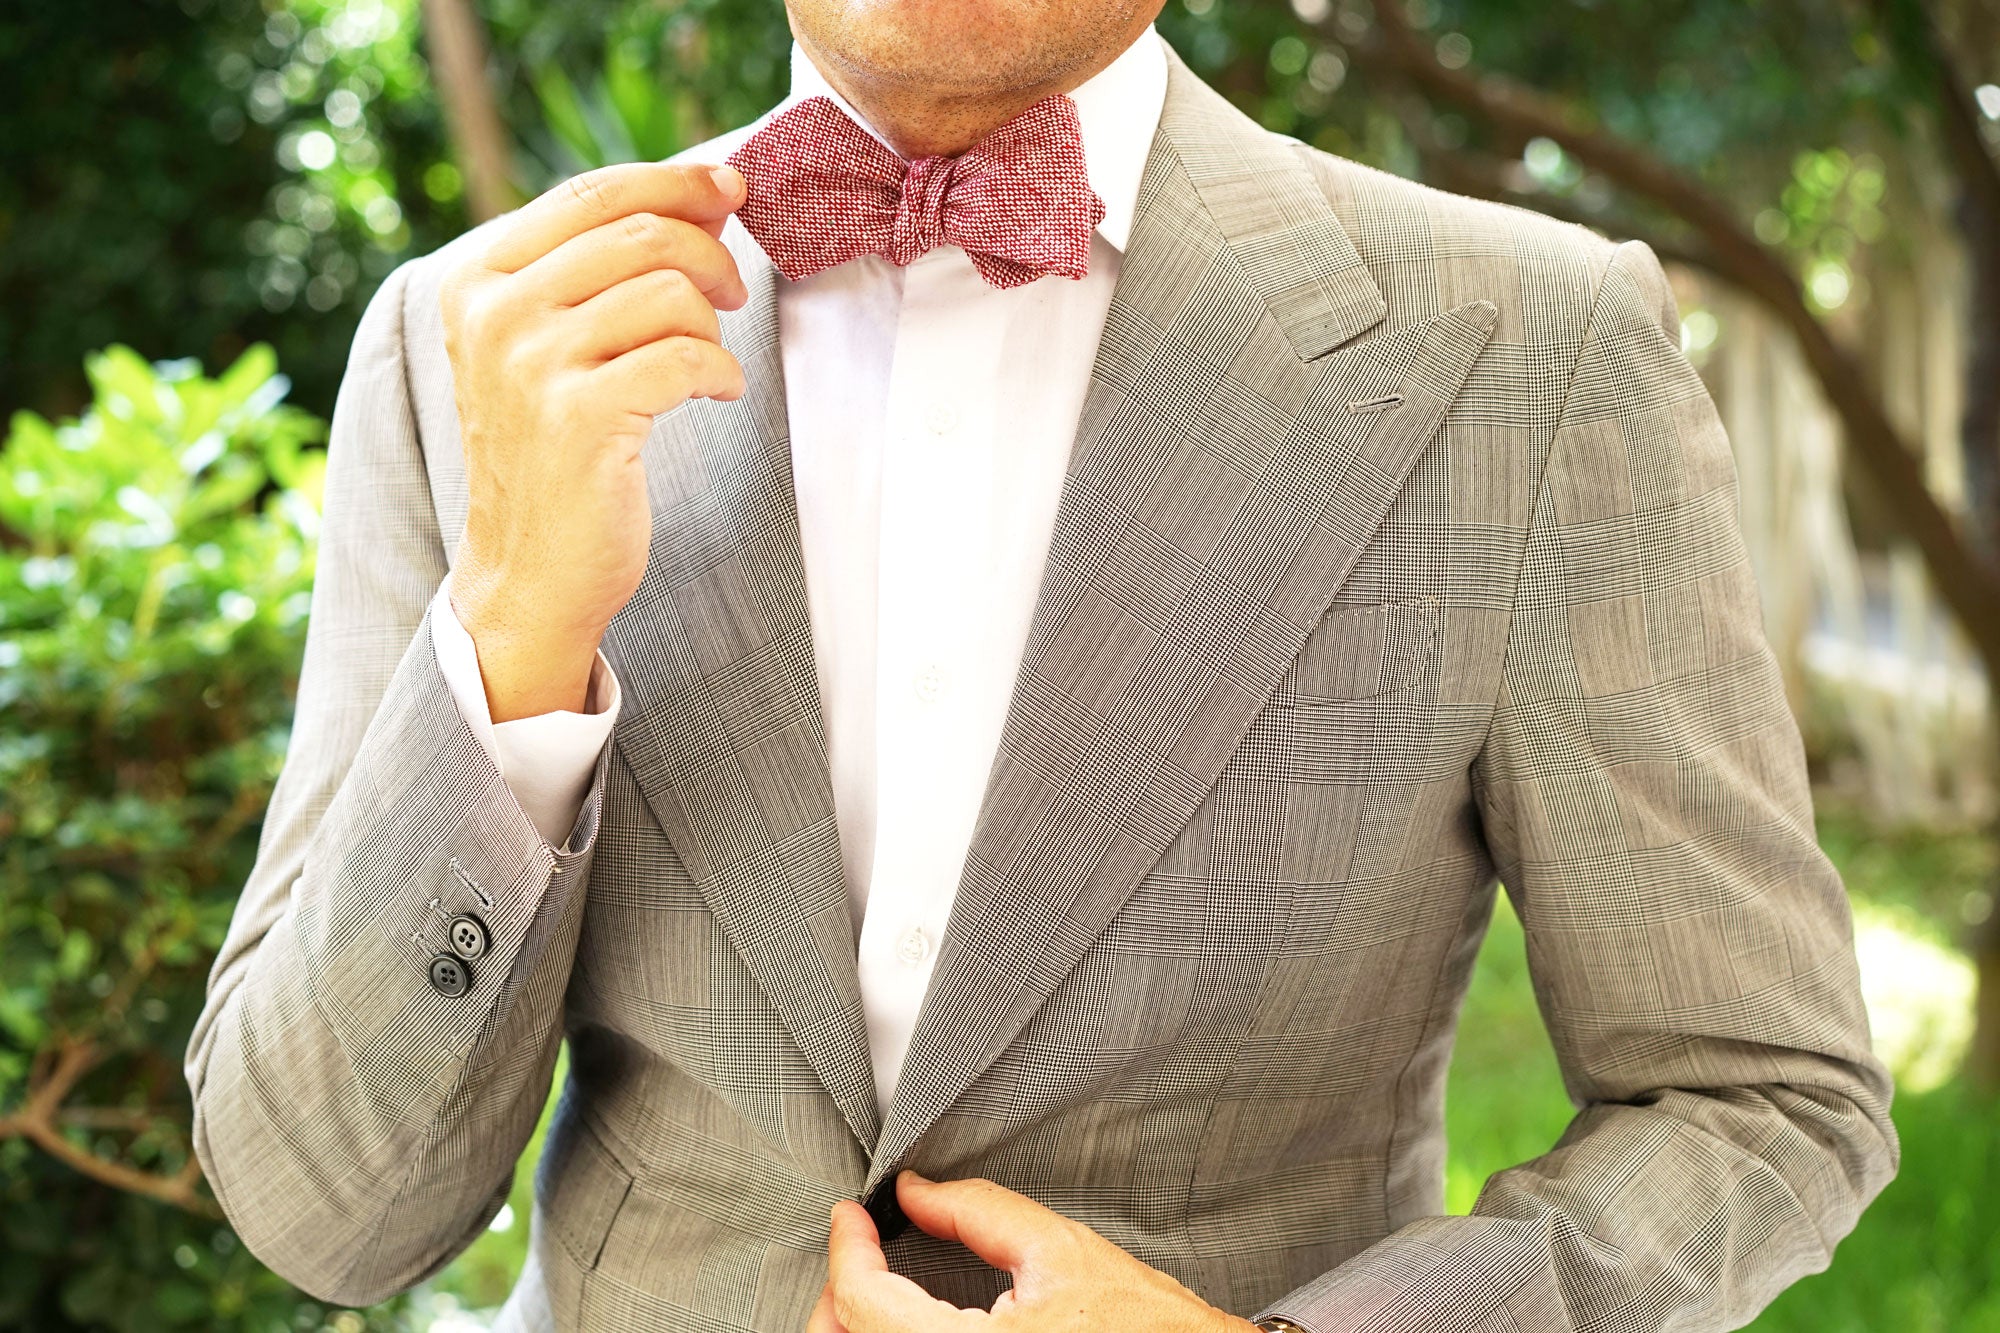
1278, 1324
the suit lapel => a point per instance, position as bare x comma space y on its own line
721, 724
1222, 483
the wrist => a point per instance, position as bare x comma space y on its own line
526, 667
531, 679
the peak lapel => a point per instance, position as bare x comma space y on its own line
721, 724
1219, 490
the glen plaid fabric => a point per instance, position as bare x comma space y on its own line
820, 190
1307, 671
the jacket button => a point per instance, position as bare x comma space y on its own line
468, 937
450, 976
890, 1219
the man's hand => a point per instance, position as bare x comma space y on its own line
1067, 1278
591, 311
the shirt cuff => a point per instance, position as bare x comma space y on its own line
546, 760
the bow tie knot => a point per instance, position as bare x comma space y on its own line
919, 224
820, 190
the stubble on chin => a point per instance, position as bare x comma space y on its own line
953, 55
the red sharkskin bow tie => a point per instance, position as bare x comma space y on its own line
822, 190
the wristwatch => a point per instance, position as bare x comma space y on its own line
1278, 1324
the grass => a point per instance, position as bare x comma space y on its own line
1925, 1257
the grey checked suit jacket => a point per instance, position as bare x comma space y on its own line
1398, 551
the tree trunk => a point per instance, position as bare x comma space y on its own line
1982, 398
457, 45
1982, 1061
1982, 495
1978, 218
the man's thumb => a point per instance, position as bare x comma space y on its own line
994, 1222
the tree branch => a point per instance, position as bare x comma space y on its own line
57, 1070
1482, 176
248, 803
1456, 173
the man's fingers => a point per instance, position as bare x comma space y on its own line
698, 193
853, 1246
999, 1225
599, 259
661, 376
640, 310
867, 1297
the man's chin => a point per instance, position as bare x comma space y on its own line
961, 49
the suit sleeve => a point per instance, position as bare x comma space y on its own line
1643, 793
359, 1122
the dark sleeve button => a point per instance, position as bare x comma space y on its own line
468, 937
450, 976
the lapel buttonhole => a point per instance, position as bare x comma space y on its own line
1382, 404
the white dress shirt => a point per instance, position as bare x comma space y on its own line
931, 420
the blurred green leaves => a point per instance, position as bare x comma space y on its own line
204, 174
329, 75
156, 561
604, 81
619, 116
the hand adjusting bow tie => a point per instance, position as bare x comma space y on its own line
821, 190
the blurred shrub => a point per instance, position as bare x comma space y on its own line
203, 174
156, 557
597, 81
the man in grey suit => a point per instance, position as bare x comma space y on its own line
1386, 549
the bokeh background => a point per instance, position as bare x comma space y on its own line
198, 196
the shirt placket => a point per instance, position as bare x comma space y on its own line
934, 574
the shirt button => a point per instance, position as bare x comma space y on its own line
914, 947
468, 937
942, 418
929, 683
450, 976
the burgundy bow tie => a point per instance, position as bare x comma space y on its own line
822, 190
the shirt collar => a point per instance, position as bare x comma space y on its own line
1117, 108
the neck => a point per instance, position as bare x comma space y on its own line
924, 120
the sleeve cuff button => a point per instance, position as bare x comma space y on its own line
450, 976
468, 937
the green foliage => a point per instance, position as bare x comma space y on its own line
613, 81
156, 557
1936, 884
618, 117
161, 185
1505, 1101
341, 82
205, 174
